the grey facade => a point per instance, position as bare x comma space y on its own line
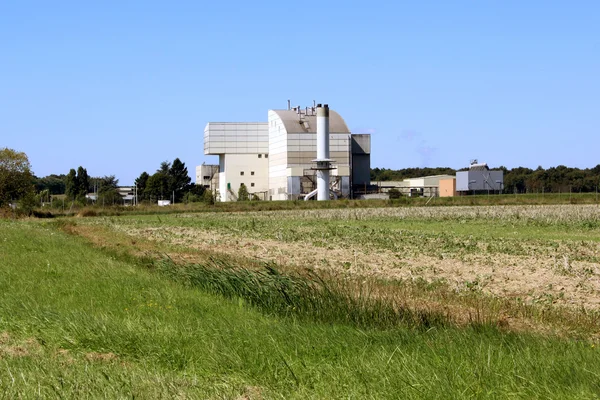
479, 180
361, 159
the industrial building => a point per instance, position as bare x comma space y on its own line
283, 159
208, 176
426, 186
479, 179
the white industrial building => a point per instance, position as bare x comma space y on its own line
277, 159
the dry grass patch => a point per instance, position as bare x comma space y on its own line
10, 347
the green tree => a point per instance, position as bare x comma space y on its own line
16, 179
243, 193
107, 190
55, 184
141, 183
157, 187
83, 183
178, 179
165, 166
71, 185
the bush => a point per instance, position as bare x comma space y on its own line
243, 193
190, 197
208, 197
394, 193
28, 203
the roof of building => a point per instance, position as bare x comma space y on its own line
479, 167
294, 124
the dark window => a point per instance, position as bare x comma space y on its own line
207, 177
252, 184
251, 172
266, 156
242, 173
260, 156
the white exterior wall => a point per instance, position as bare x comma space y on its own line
278, 158
293, 152
198, 174
435, 180
236, 138
255, 174
302, 149
207, 175
425, 181
222, 179
239, 145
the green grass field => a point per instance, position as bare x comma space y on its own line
271, 305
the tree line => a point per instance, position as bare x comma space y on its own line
558, 179
18, 184
171, 182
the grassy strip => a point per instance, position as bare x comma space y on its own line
468, 306
478, 200
78, 323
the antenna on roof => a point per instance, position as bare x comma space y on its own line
289, 105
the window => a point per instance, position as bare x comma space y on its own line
260, 156
206, 177
252, 184
266, 156
241, 173
251, 172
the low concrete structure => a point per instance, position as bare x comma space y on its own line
426, 186
447, 187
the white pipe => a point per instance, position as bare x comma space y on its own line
311, 195
323, 162
323, 133
323, 185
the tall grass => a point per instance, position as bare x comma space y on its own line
308, 297
78, 322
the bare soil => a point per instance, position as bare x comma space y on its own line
540, 278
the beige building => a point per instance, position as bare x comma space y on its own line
274, 159
208, 176
243, 150
448, 187
427, 186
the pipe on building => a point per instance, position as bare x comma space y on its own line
311, 195
323, 161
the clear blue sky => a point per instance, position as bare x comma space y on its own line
119, 86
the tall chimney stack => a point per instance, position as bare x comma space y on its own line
323, 161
